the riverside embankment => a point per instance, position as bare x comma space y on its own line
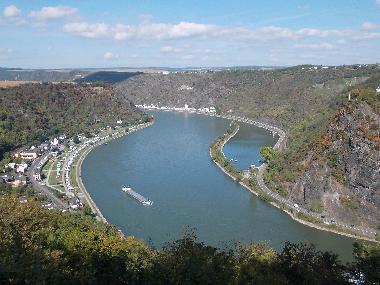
85, 152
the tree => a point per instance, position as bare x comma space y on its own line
268, 153
367, 263
303, 264
76, 140
187, 261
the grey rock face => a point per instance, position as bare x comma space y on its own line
353, 196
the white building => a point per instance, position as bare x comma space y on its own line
21, 168
27, 155
54, 142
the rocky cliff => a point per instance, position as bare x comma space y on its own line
341, 173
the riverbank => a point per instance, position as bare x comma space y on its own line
85, 152
279, 202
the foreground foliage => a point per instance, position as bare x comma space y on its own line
38, 246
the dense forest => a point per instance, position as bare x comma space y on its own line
39, 246
31, 113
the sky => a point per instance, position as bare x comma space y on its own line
187, 33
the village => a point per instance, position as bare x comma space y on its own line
52, 168
186, 108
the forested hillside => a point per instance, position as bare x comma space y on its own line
283, 96
31, 113
39, 246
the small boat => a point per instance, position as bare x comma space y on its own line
126, 188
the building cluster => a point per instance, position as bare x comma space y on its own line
16, 173
186, 108
27, 163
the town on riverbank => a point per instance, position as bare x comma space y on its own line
53, 168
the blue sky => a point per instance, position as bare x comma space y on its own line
91, 33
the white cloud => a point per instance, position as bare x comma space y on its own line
368, 25
110, 56
378, 2
183, 30
169, 49
366, 36
50, 13
306, 32
11, 11
321, 46
87, 30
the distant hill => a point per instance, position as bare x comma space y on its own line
281, 96
107, 76
43, 75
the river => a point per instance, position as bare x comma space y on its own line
169, 163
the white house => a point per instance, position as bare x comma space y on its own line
21, 168
54, 142
11, 165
